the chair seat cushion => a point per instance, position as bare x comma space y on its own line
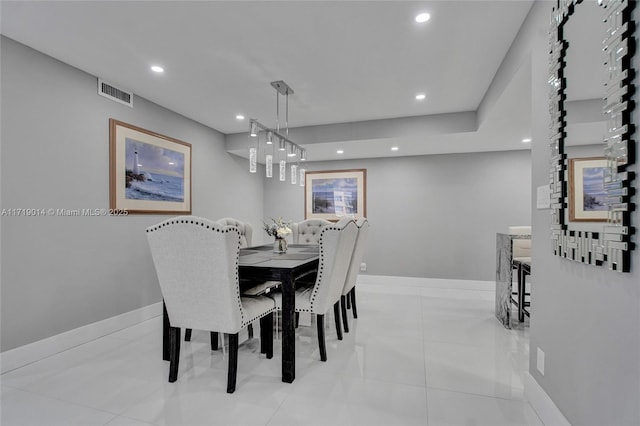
303, 301
258, 288
256, 307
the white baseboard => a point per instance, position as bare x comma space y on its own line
545, 408
427, 282
23, 355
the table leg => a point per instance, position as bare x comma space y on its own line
288, 329
166, 341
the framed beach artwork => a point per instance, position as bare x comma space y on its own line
586, 190
334, 194
149, 173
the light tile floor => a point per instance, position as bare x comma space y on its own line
416, 355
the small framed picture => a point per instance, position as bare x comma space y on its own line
586, 190
149, 173
334, 194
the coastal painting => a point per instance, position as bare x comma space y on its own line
155, 173
587, 195
335, 194
150, 173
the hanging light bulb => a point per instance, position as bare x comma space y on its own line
253, 159
302, 175
269, 165
303, 154
253, 129
283, 144
269, 137
292, 151
253, 155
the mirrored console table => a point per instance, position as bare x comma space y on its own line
504, 275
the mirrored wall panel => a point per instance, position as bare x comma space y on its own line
591, 133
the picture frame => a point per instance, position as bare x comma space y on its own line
149, 173
587, 193
334, 194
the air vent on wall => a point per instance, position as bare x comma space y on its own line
108, 90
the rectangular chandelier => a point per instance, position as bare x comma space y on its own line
263, 140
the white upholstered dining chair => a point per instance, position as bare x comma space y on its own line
349, 291
246, 231
246, 234
196, 261
307, 231
336, 247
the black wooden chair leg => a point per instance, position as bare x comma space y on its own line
187, 334
343, 306
250, 331
233, 363
214, 340
268, 335
348, 300
174, 355
353, 302
336, 314
321, 345
296, 320
263, 334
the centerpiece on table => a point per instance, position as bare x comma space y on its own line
279, 229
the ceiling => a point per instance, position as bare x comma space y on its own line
347, 61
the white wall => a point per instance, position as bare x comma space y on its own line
60, 273
586, 319
431, 216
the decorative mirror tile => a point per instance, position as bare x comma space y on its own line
611, 246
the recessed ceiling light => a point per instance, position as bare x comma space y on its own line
157, 68
340, 151
239, 117
394, 148
420, 96
526, 140
423, 17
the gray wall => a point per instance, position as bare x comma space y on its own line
60, 273
431, 216
586, 319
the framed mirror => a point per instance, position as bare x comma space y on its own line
591, 89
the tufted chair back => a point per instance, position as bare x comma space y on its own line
196, 262
358, 253
336, 247
308, 231
246, 231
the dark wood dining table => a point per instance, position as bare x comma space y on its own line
261, 264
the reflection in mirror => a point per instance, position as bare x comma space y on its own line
585, 120
590, 104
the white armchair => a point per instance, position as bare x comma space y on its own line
308, 231
246, 231
196, 261
336, 247
349, 290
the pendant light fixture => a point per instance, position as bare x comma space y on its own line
272, 138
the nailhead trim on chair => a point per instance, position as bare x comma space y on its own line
320, 266
227, 228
